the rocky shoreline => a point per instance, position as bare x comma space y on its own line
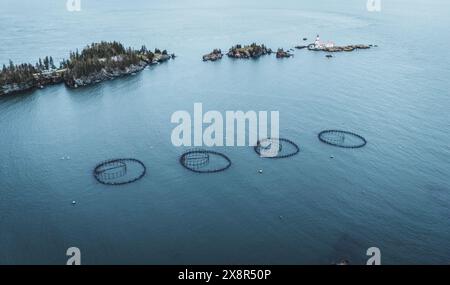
16, 88
109, 74
347, 48
112, 67
40, 80
103, 75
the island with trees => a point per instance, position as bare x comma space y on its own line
95, 63
249, 51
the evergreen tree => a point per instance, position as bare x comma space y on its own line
46, 63
52, 65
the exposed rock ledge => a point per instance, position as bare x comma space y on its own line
39, 81
283, 54
216, 54
15, 88
338, 48
104, 75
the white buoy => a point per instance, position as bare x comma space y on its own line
260, 171
74, 202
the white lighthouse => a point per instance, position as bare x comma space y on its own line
317, 43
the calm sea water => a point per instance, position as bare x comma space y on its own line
393, 194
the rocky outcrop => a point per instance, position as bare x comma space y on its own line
49, 78
251, 51
216, 54
338, 48
104, 74
16, 88
108, 74
283, 54
160, 58
39, 80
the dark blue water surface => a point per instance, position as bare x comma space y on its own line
393, 194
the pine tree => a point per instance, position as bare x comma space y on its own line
52, 65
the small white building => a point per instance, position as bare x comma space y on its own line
329, 44
320, 45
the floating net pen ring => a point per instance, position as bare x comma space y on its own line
111, 171
338, 138
195, 160
266, 144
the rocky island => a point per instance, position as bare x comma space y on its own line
95, 63
329, 46
337, 48
251, 51
283, 54
216, 54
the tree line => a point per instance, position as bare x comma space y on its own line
93, 58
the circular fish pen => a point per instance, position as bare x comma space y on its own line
205, 161
342, 139
276, 148
119, 171
196, 159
